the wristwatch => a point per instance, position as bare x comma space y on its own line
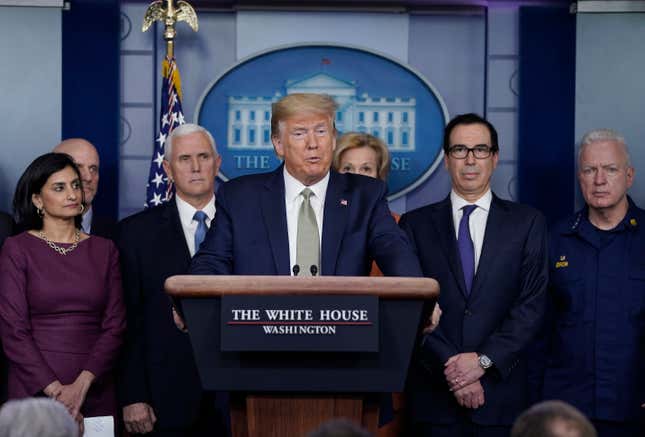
485, 362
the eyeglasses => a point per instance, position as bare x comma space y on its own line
480, 151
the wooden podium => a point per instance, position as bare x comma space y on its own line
292, 393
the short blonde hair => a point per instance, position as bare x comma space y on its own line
299, 103
355, 140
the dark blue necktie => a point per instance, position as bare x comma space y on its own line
466, 247
200, 233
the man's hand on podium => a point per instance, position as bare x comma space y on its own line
139, 418
433, 321
179, 322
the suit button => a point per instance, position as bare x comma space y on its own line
467, 312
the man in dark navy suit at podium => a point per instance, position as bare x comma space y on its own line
303, 218
489, 256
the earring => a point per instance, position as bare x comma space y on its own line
40, 212
82, 208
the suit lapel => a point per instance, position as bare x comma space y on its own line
445, 229
493, 238
334, 222
274, 214
175, 233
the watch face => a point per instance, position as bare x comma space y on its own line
485, 362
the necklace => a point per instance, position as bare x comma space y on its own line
56, 247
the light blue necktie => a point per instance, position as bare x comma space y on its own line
200, 217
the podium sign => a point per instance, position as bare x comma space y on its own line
299, 323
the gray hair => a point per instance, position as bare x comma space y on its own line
552, 419
182, 131
603, 135
41, 417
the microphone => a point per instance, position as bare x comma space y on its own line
313, 269
295, 269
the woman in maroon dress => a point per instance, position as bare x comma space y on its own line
62, 316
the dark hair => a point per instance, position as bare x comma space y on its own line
542, 420
32, 181
469, 119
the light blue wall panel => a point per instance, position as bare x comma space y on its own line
610, 89
132, 186
137, 84
502, 93
30, 78
202, 56
137, 132
504, 180
383, 32
503, 30
140, 77
502, 83
449, 50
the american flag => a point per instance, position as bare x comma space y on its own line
159, 188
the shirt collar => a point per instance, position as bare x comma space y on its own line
629, 222
86, 222
187, 211
293, 187
459, 202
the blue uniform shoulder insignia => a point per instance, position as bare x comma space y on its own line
562, 262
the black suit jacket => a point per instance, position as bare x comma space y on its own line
499, 318
103, 227
158, 366
6, 227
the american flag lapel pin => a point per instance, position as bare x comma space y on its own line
343, 202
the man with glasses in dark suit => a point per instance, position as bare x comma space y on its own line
489, 256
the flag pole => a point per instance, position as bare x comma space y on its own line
160, 188
169, 14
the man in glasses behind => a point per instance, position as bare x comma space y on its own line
489, 256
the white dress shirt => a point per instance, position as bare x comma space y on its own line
189, 226
477, 220
293, 200
86, 223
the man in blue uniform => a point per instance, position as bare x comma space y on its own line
594, 348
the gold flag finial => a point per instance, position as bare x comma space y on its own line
169, 14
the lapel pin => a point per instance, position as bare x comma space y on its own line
343, 202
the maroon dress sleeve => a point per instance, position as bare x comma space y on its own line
15, 321
103, 357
